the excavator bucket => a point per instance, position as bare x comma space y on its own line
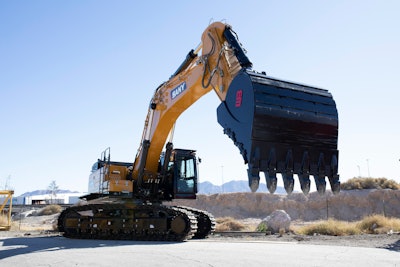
282, 127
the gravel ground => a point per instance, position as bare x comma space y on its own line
35, 226
385, 241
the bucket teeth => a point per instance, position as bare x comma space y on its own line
254, 179
270, 175
271, 182
335, 185
287, 174
320, 177
304, 176
288, 182
305, 183
333, 177
320, 184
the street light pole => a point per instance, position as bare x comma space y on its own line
222, 178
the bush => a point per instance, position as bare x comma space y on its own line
330, 227
49, 210
369, 183
3, 219
228, 224
262, 227
374, 224
378, 224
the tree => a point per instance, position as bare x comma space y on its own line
52, 190
7, 184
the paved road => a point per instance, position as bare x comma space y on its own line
59, 251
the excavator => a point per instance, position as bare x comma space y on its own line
279, 127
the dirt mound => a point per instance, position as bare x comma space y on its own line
347, 205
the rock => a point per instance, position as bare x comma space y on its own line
276, 221
24, 214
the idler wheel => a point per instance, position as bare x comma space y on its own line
178, 225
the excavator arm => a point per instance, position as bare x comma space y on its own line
278, 126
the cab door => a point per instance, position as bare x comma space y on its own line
185, 174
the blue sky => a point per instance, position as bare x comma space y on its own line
76, 77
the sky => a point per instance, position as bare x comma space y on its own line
76, 77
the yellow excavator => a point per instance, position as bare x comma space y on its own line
279, 127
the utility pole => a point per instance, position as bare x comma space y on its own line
222, 178
7, 184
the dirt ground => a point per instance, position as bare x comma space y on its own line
386, 241
35, 226
391, 242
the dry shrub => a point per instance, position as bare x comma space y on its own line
49, 210
282, 231
15, 226
330, 227
378, 224
228, 224
3, 220
369, 183
374, 224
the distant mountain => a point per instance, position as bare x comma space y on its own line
45, 192
233, 187
205, 188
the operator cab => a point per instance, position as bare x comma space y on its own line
184, 169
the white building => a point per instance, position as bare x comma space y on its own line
59, 198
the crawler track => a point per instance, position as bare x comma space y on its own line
121, 221
133, 221
205, 222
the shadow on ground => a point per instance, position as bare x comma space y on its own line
15, 246
394, 246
